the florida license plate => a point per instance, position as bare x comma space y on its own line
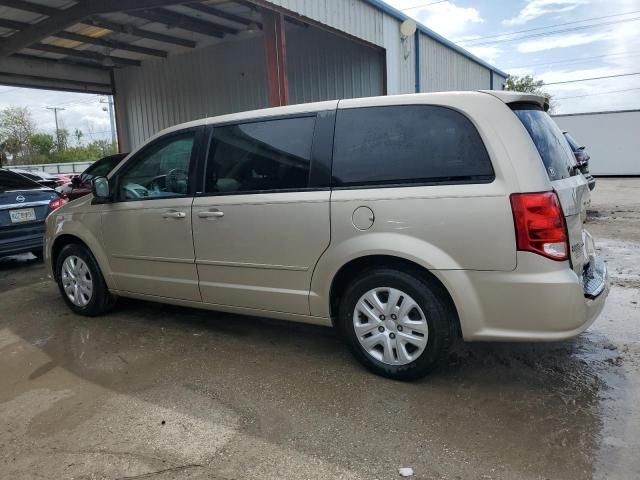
23, 215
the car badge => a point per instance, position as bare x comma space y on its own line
20, 199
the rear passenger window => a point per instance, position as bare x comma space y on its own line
407, 144
262, 156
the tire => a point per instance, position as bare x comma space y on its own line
78, 299
400, 351
39, 254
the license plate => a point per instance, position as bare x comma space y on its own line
24, 215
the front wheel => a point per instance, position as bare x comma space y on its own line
395, 323
81, 283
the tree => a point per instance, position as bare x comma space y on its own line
528, 84
78, 134
16, 130
42, 144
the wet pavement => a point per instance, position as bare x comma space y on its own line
154, 391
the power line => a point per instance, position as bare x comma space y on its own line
597, 93
555, 32
423, 5
592, 78
547, 26
576, 60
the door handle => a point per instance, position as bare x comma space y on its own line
211, 214
174, 215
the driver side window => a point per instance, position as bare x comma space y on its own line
160, 171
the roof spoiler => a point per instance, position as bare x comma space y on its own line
517, 97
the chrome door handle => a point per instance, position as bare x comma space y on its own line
174, 215
211, 214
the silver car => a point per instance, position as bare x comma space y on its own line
402, 221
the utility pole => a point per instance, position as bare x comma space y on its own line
55, 113
112, 120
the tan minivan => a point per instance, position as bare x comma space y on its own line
403, 221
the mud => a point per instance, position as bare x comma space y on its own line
161, 392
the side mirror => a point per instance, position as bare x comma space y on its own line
75, 181
101, 190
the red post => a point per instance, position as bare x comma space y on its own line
276, 57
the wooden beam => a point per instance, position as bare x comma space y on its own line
13, 24
31, 68
88, 54
276, 57
72, 15
30, 7
174, 19
73, 61
216, 12
139, 32
113, 44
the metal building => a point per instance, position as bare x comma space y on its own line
610, 138
171, 61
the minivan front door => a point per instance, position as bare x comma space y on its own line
147, 230
259, 229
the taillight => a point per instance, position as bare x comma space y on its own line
57, 203
540, 225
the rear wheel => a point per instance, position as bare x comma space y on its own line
81, 283
395, 323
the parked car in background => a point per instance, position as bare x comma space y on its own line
403, 221
582, 159
64, 178
24, 205
43, 178
81, 184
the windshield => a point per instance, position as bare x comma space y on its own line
551, 144
13, 181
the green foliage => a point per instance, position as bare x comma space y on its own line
20, 144
42, 143
528, 84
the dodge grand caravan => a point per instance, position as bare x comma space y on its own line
402, 221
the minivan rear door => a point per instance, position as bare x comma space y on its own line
572, 188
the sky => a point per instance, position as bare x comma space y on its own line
559, 41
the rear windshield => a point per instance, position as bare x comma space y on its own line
13, 181
551, 144
575, 146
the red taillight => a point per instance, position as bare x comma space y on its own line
540, 225
57, 203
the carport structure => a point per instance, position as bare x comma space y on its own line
171, 61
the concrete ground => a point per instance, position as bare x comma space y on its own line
152, 391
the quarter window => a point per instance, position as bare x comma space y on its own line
262, 156
162, 170
407, 144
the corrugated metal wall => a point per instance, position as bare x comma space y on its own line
445, 69
498, 81
354, 17
231, 77
323, 66
400, 56
223, 78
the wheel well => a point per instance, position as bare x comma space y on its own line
59, 243
356, 267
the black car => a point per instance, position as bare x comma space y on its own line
43, 178
582, 159
24, 206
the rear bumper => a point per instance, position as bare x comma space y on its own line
541, 300
23, 245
